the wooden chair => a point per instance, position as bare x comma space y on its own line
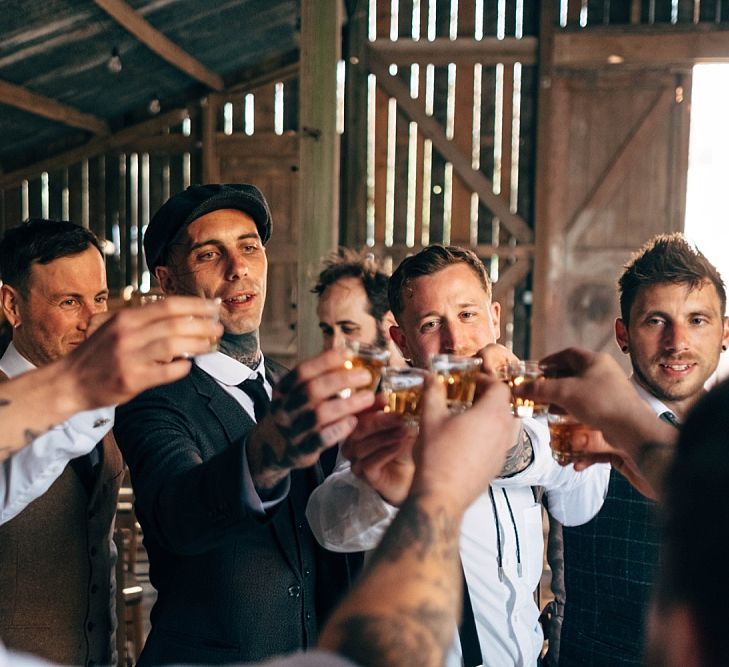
130, 619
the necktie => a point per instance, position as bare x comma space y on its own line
470, 646
669, 418
257, 393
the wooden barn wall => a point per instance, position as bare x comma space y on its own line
399, 192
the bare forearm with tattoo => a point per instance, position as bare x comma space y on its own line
418, 616
21, 414
519, 456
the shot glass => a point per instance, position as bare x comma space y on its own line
403, 391
519, 375
562, 431
459, 376
365, 355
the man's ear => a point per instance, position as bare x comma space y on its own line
725, 335
166, 279
621, 335
398, 336
10, 303
496, 318
388, 321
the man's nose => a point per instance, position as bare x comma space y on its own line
237, 267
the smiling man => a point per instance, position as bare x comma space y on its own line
57, 515
221, 473
672, 324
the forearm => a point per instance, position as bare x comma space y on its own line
418, 564
33, 403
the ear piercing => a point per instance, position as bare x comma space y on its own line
624, 348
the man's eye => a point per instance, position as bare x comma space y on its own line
467, 315
429, 326
207, 256
68, 302
350, 331
250, 248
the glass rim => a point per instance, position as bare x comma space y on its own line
444, 362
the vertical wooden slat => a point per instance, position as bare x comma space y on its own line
211, 110
111, 192
34, 198
545, 164
291, 99
264, 108
405, 17
74, 193
679, 150
686, 10
55, 194
97, 207
635, 11
506, 131
381, 131
353, 218
12, 208
574, 8
321, 27
463, 131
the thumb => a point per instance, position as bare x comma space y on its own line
434, 406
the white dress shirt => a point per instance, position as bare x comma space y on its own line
347, 515
229, 373
28, 473
656, 405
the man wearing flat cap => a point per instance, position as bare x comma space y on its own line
221, 472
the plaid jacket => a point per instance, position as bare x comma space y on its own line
610, 565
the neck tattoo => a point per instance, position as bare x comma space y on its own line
242, 347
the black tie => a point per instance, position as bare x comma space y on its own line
257, 393
669, 418
470, 646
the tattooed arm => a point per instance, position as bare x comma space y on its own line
519, 456
131, 352
408, 600
307, 416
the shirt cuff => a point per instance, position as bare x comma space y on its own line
251, 498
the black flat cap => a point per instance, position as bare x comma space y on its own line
185, 207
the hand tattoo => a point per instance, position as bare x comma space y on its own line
519, 456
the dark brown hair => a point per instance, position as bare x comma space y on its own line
667, 258
347, 263
429, 260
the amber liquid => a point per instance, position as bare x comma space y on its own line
525, 407
460, 388
373, 365
405, 402
561, 435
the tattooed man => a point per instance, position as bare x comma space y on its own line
441, 299
221, 473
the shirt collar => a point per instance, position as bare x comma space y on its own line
13, 363
649, 398
227, 370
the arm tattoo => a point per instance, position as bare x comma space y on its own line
519, 456
397, 638
425, 627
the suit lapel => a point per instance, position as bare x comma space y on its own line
237, 423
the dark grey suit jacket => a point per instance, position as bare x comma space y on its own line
232, 586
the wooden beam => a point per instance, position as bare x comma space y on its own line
40, 105
638, 47
318, 234
619, 166
509, 278
96, 146
154, 40
462, 51
431, 129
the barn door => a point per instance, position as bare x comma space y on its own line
617, 176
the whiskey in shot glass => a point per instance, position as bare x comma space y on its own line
459, 376
403, 391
